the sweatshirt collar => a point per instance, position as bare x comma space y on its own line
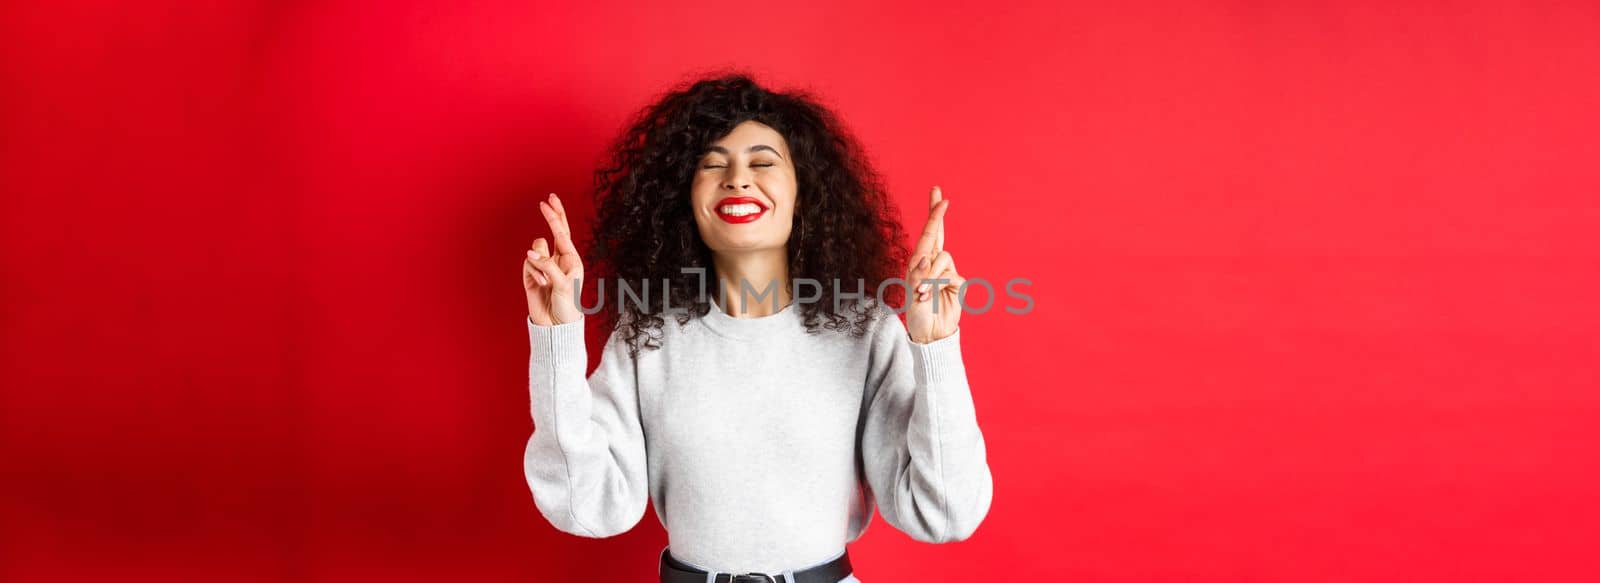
720, 322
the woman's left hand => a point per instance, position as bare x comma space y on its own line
930, 261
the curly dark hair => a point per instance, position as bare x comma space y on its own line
846, 228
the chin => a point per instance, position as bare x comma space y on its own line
745, 241
746, 245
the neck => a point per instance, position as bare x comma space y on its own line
764, 271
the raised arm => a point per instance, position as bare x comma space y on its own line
923, 451
585, 462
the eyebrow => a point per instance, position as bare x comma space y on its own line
724, 151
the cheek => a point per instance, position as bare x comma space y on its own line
701, 193
783, 190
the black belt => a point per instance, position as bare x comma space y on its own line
674, 571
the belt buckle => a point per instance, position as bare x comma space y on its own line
752, 578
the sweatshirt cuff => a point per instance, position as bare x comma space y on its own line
939, 362
558, 346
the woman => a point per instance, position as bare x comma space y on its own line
766, 425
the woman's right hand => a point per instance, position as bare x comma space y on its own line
549, 279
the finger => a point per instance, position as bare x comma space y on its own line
938, 241
540, 251
930, 231
549, 213
531, 267
569, 261
556, 202
951, 274
919, 272
939, 269
952, 290
925, 241
919, 268
949, 271
951, 293
564, 244
941, 265
558, 228
551, 272
930, 266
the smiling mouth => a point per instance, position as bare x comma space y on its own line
740, 209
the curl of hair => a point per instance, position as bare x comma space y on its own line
845, 230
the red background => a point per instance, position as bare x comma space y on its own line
1315, 285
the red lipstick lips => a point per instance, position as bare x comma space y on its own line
739, 215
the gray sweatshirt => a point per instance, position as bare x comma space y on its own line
764, 448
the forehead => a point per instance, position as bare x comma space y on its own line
752, 133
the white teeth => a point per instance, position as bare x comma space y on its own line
739, 210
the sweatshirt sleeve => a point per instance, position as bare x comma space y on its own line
585, 462
922, 450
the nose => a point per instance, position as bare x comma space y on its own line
736, 180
